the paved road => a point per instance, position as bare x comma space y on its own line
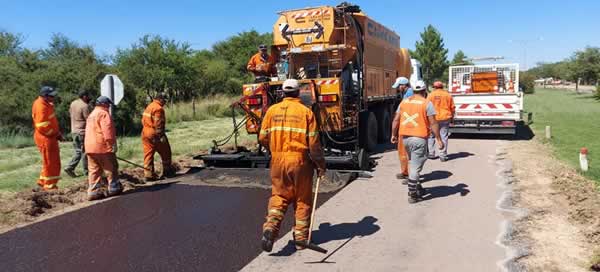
370, 226
181, 227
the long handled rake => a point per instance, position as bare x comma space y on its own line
307, 243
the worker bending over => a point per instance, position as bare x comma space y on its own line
444, 108
413, 122
402, 85
262, 65
79, 112
101, 149
155, 140
289, 130
46, 136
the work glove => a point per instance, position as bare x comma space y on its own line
162, 138
321, 172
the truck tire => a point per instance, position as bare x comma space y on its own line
371, 132
385, 126
363, 160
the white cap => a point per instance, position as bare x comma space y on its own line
400, 81
420, 86
290, 85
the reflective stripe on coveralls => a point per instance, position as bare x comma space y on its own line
289, 129
45, 136
153, 121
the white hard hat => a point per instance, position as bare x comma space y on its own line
290, 85
420, 86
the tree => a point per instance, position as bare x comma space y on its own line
431, 53
587, 64
238, 49
460, 59
156, 64
10, 44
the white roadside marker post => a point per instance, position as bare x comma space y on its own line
583, 161
548, 133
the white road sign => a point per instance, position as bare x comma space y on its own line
112, 87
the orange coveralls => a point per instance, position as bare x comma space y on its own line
46, 138
100, 136
290, 131
403, 157
154, 138
261, 66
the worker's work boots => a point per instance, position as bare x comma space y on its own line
403, 178
70, 172
115, 188
267, 240
415, 192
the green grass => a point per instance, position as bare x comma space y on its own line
19, 167
15, 140
575, 123
206, 108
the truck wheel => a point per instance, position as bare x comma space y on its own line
385, 126
363, 159
371, 133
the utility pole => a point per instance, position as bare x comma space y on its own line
525, 43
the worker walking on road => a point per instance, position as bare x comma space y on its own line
262, 65
101, 149
79, 112
444, 108
403, 86
154, 139
46, 136
414, 121
289, 130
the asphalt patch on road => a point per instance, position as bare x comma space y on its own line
174, 227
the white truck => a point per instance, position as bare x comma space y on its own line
487, 98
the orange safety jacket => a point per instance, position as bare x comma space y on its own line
45, 123
289, 129
413, 117
100, 134
153, 120
443, 103
261, 66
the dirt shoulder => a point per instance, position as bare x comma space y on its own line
562, 226
31, 206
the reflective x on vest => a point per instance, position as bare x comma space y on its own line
410, 119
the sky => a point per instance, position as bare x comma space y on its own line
523, 31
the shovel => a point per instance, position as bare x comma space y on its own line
307, 243
133, 163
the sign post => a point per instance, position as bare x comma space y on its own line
112, 87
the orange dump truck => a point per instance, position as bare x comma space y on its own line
346, 63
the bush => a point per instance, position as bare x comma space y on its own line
527, 82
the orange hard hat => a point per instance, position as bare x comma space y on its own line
438, 84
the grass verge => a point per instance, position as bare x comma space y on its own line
575, 123
19, 167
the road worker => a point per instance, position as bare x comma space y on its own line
402, 85
101, 148
414, 121
444, 108
289, 130
155, 140
262, 65
46, 136
79, 111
